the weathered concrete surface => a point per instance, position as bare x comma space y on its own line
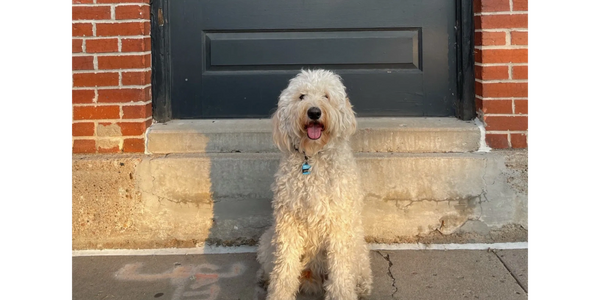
211, 136
186, 200
70, 201
412, 195
409, 135
457, 274
384, 285
516, 263
423, 274
415, 135
224, 198
230, 276
408, 195
106, 201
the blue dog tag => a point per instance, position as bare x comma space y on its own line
305, 168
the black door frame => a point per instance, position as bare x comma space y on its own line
161, 67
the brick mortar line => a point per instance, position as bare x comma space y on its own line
114, 53
110, 4
496, 13
502, 47
507, 30
97, 122
112, 87
95, 137
130, 103
501, 29
501, 98
107, 104
113, 14
512, 103
505, 115
109, 71
109, 21
112, 121
96, 128
510, 5
500, 64
109, 37
507, 131
502, 81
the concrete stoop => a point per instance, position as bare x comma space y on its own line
209, 183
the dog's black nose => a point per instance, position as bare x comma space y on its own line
314, 113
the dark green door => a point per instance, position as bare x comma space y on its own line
232, 58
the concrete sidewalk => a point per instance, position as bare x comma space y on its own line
400, 274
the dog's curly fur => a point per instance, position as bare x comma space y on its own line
316, 243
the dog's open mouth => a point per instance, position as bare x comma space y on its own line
314, 130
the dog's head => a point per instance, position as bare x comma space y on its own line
312, 112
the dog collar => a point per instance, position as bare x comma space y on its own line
305, 166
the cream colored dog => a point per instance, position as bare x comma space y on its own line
316, 242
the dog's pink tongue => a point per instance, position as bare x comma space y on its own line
314, 131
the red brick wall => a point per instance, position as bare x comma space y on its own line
501, 70
111, 75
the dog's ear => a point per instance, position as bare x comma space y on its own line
280, 135
348, 118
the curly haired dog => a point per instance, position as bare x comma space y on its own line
316, 243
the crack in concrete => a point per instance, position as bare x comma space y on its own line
390, 264
510, 272
478, 215
260, 227
160, 199
485, 184
484, 190
403, 207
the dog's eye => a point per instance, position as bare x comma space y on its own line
302, 97
326, 96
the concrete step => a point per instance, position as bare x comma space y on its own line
197, 178
225, 197
406, 135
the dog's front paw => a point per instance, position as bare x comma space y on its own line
340, 293
363, 289
278, 297
278, 291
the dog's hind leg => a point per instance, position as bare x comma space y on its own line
264, 256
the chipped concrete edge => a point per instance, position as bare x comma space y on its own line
483, 147
146, 133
